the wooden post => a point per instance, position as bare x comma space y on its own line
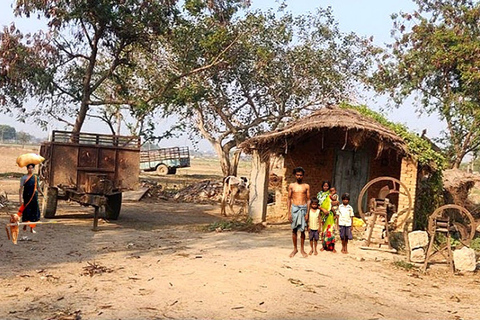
259, 179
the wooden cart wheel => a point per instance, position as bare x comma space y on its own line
162, 169
113, 206
398, 188
461, 219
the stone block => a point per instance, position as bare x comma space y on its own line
417, 255
417, 239
464, 259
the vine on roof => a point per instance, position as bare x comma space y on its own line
419, 148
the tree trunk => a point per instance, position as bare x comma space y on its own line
234, 162
457, 162
224, 158
80, 118
454, 165
229, 166
225, 164
86, 85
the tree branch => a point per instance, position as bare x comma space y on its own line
213, 63
60, 119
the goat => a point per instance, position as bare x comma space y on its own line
235, 188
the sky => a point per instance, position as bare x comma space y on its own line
364, 17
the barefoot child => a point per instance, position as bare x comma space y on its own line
313, 225
345, 221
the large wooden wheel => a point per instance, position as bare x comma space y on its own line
462, 222
395, 187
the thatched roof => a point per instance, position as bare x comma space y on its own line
359, 128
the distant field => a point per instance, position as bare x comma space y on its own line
8, 155
200, 169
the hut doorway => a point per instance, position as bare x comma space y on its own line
351, 173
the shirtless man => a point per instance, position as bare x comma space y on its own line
297, 203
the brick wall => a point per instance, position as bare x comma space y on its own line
408, 177
317, 156
318, 163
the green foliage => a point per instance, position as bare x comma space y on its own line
475, 244
91, 62
419, 148
404, 265
7, 132
235, 225
24, 138
429, 194
436, 61
441, 240
397, 241
259, 70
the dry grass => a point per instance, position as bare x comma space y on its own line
8, 155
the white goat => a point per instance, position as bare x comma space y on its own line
235, 188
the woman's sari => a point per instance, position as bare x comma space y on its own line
31, 212
328, 219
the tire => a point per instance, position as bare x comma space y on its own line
50, 200
113, 206
162, 169
172, 170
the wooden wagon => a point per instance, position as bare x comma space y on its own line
91, 169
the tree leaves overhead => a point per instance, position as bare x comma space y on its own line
226, 72
87, 42
265, 69
436, 57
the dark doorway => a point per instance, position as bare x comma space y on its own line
351, 173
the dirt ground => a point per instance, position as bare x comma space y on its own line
157, 262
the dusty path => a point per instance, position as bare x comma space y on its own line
158, 264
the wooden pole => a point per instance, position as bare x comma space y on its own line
29, 223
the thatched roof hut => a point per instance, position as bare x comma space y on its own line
357, 127
336, 144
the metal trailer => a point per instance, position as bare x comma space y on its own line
165, 160
91, 169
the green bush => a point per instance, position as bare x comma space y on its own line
475, 244
404, 265
235, 225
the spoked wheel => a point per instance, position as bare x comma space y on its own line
462, 221
387, 186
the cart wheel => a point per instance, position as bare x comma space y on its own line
172, 170
113, 206
50, 202
162, 169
